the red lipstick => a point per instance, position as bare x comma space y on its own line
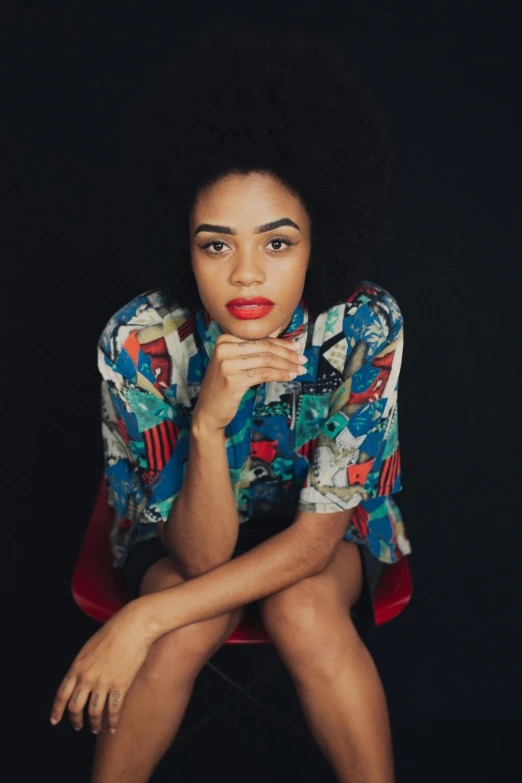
247, 308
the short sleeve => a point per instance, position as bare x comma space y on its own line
356, 454
145, 442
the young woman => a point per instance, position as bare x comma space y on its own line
245, 465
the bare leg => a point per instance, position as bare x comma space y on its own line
158, 698
335, 677
348, 716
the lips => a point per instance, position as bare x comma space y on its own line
255, 307
254, 300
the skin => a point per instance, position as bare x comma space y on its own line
337, 683
249, 263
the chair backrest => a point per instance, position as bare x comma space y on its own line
393, 591
100, 591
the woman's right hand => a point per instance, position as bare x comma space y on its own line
234, 366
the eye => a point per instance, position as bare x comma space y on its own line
219, 242
280, 239
212, 242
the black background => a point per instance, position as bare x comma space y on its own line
445, 74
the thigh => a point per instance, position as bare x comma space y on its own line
197, 640
339, 584
305, 613
310, 622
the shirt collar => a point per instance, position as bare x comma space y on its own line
209, 329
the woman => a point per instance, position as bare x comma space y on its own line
245, 465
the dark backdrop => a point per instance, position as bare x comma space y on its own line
445, 75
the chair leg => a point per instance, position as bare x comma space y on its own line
297, 730
224, 706
202, 722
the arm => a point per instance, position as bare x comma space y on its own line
299, 551
202, 527
108, 663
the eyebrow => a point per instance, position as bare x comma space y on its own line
258, 229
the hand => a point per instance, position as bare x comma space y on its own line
234, 366
106, 666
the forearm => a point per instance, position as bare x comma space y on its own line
282, 560
203, 524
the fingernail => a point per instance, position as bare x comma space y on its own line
113, 731
77, 728
54, 721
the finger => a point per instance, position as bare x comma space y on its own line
77, 702
116, 697
96, 705
260, 353
269, 374
257, 362
284, 342
290, 345
246, 350
63, 694
288, 349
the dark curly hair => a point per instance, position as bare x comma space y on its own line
238, 100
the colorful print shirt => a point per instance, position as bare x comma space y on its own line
326, 441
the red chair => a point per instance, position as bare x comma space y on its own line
100, 591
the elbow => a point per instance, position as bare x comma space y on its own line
332, 552
323, 557
320, 556
322, 535
327, 558
199, 567
198, 562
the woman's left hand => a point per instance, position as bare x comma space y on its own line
105, 666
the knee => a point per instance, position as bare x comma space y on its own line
304, 632
182, 653
293, 621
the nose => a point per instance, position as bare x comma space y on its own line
247, 268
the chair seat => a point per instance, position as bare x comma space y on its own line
100, 591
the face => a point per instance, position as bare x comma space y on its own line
238, 251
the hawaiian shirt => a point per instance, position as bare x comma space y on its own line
326, 441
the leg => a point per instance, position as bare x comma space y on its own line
335, 677
158, 698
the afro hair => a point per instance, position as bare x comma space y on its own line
238, 100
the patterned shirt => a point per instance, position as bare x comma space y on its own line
326, 441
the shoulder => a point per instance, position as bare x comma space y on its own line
362, 325
374, 302
372, 314
384, 305
144, 319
